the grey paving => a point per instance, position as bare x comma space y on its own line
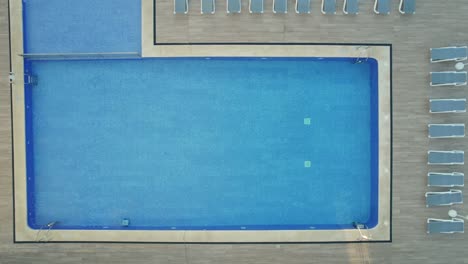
436, 23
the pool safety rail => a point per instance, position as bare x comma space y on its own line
43, 234
361, 227
80, 56
363, 54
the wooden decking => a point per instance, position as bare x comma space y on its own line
437, 23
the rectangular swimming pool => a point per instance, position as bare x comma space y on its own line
217, 143
119, 137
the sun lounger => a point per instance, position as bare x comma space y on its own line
256, 6
445, 179
280, 6
453, 157
446, 130
180, 6
233, 6
447, 105
351, 7
443, 226
449, 54
328, 7
407, 6
382, 7
444, 198
207, 6
448, 78
303, 6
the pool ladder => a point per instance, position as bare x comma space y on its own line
28, 79
43, 234
363, 54
361, 227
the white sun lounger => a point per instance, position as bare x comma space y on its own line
446, 130
445, 226
447, 106
448, 78
449, 54
442, 157
451, 197
445, 179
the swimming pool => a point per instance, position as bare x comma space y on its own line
203, 143
119, 139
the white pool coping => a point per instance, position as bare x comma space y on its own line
382, 53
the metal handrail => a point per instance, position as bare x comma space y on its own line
363, 55
92, 55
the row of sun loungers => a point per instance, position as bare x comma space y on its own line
448, 78
453, 157
448, 198
302, 6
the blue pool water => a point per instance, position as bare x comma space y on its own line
195, 143
84, 26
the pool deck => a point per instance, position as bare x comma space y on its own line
435, 24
